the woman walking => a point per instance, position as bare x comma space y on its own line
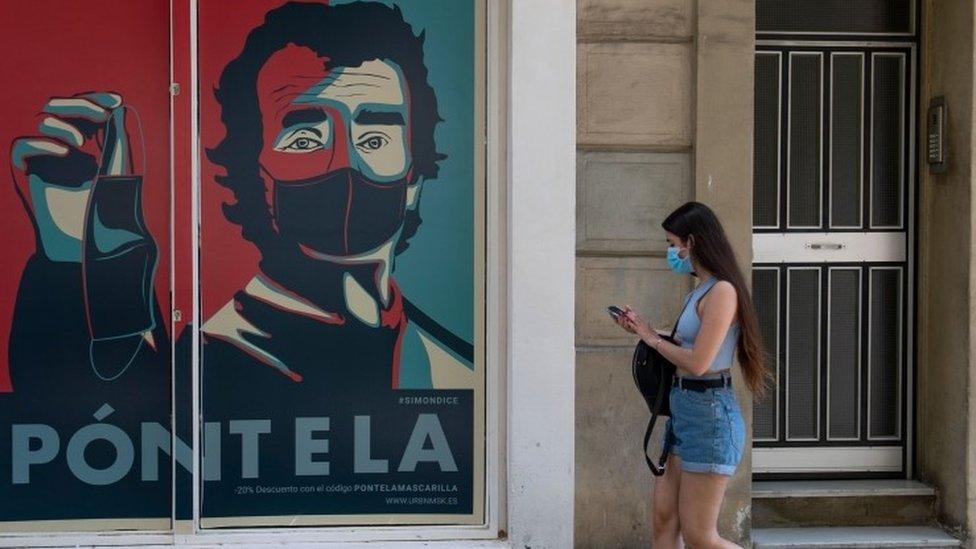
706, 432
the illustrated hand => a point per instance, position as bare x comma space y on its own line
81, 137
79, 184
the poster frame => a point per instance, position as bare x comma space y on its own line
490, 66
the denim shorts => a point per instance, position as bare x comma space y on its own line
706, 430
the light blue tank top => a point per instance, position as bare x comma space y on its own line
689, 324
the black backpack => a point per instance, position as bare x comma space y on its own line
653, 375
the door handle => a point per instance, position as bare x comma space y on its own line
826, 246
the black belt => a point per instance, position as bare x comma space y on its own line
701, 385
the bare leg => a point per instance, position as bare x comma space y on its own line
699, 501
667, 530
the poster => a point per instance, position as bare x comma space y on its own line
341, 363
341, 260
85, 362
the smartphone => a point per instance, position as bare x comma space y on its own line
615, 311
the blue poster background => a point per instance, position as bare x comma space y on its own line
437, 272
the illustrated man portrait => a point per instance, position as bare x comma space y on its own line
329, 142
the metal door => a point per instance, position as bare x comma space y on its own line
833, 211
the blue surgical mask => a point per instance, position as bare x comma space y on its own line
678, 264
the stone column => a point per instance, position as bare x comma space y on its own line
946, 388
635, 101
723, 177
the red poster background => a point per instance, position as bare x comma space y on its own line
227, 261
57, 48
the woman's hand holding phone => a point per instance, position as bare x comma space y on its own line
629, 320
636, 324
620, 316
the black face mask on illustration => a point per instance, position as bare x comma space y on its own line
340, 213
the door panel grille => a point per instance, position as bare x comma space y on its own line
843, 354
803, 354
804, 176
765, 295
887, 139
885, 352
835, 16
846, 100
765, 198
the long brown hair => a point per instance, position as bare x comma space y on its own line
711, 249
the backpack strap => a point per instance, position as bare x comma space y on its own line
674, 327
656, 469
711, 284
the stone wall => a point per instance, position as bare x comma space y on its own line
946, 414
664, 115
